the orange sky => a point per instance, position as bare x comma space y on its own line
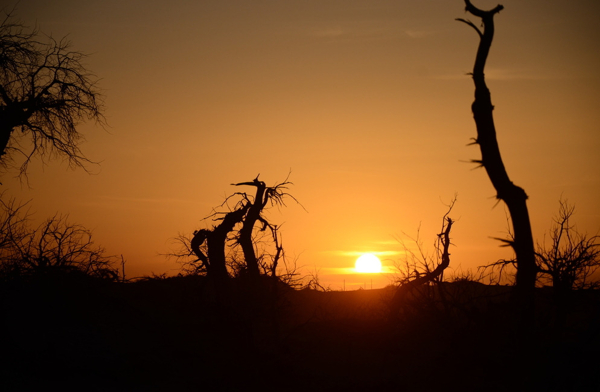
366, 102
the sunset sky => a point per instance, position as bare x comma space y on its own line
366, 103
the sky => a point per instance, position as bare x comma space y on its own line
364, 104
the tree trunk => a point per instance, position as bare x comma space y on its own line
217, 241
245, 239
5, 133
215, 260
514, 196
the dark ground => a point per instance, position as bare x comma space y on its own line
79, 334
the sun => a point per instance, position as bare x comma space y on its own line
368, 263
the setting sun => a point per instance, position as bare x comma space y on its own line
368, 263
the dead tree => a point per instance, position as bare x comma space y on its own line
514, 196
217, 250
254, 214
45, 91
571, 259
54, 247
216, 239
263, 196
419, 279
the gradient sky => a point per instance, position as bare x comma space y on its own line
367, 103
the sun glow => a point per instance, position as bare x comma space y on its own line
368, 263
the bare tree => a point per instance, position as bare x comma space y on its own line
216, 238
514, 196
568, 258
421, 270
264, 195
216, 251
13, 225
45, 92
54, 246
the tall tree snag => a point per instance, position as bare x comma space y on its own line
514, 196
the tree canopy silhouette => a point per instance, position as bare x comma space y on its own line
45, 91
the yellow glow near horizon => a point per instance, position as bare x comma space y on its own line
368, 263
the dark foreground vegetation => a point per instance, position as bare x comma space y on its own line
69, 331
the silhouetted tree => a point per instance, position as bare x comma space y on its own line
571, 258
54, 246
214, 260
421, 270
514, 196
45, 91
13, 222
245, 226
263, 196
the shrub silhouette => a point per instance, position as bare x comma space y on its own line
55, 246
569, 259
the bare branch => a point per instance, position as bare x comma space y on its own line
568, 259
482, 14
54, 245
45, 93
472, 25
427, 270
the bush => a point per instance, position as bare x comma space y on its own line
55, 246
